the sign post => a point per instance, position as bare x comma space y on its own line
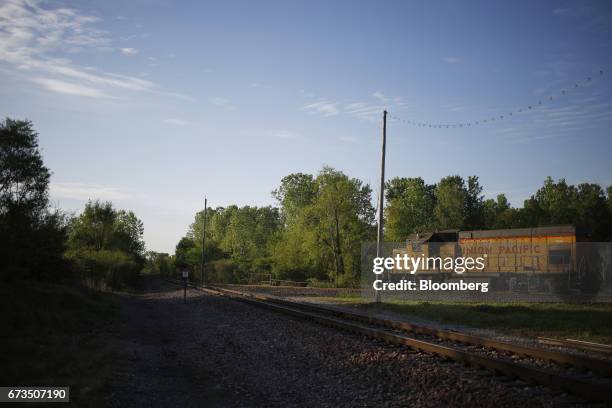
185, 276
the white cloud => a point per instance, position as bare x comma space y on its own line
381, 97
85, 191
67, 88
221, 102
32, 37
360, 109
451, 60
129, 51
322, 107
178, 122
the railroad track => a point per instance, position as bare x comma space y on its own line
604, 349
590, 378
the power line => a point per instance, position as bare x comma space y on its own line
527, 108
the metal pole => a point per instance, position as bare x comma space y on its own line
381, 198
203, 240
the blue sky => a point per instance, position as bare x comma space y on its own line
153, 104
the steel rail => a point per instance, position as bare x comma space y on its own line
590, 390
577, 344
559, 357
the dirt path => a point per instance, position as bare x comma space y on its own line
215, 352
161, 355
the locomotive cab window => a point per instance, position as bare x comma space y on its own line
559, 256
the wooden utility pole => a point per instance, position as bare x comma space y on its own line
381, 198
203, 240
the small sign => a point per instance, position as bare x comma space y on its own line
185, 274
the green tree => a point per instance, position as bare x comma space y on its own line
592, 211
450, 206
409, 209
296, 191
556, 202
498, 213
158, 263
106, 245
101, 227
326, 230
474, 205
183, 253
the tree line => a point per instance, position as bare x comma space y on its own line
101, 247
316, 231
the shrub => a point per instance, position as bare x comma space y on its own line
104, 269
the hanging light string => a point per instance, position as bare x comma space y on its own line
549, 99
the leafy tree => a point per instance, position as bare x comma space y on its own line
498, 213
450, 206
296, 191
100, 227
183, 251
326, 224
409, 209
474, 205
241, 234
32, 237
556, 202
592, 211
158, 263
106, 245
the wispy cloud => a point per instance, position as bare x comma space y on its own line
68, 88
322, 107
381, 97
598, 20
578, 10
129, 51
359, 109
32, 37
221, 102
550, 121
451, 60
85, 191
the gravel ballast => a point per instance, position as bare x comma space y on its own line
215, 351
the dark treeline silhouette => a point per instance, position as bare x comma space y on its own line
101, 247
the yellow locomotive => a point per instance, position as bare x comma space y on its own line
542, 259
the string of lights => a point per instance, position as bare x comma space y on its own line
527, 108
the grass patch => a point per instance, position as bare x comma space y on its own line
590, 322
53, 335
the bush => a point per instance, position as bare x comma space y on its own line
222, 271
316, 283
104, 269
